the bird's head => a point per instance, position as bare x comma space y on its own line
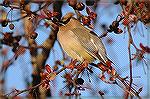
66, 18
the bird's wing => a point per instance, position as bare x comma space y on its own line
91, 43
72, 46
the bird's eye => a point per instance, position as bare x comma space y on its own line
61, 23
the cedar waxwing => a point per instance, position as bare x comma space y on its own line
80, 42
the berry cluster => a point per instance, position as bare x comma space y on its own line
114, 27
10, 40
134, 11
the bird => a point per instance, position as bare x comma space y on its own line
79, 42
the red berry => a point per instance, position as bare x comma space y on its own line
48, 68
72, 2
79, 6
93, 15
125, 22
86, 20
34, 35
11, 26
119, 31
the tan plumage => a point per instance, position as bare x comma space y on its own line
80, 43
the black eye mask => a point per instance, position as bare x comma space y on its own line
60, 22
65, 22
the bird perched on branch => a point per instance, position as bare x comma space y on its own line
80, 42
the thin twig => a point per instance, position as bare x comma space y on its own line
130, 59
31, 88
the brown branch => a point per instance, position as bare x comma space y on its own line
29, 29
18, 92
132, 91
130, 41
47, 46
32, 88
27, 15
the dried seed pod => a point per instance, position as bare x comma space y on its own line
111, 27
6, 3
109, 30
79, 81
72, 2
140, 89
117, 31
34, 35
55, 68
101, 93
58, 62
115, 24
90, 2
4, 23
86, 20
11, 26
93, 15
79, 6
88, 11
17, 38
111, 78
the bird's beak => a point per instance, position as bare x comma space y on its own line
66, 18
